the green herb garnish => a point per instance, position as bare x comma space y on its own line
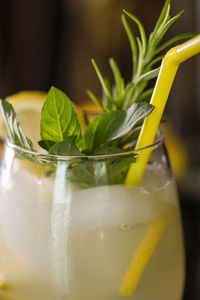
15, 132
61, 131
146, 53
58, 118
124, 106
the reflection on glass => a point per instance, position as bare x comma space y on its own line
70, 229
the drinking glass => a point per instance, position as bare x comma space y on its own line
71, 229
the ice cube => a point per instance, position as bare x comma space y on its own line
111, 206
25, 221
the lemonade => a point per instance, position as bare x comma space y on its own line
62, 241
89, 209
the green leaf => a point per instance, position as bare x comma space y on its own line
146, 95
108, 102
82, 175
155, 38
165, 28
119, 82
141, 29
58, 117
128, 93
132, 42
138, 91
164, 13
140, 62
102, 80
89, 134
120, 95
164, 16
66, 147
115, 124
95, 99
15, 132
106, 150
137, 112
45, 144
149, 75
131, 138
176, 39
99, 131
118, 170
152, 63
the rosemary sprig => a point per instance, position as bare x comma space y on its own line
146, 53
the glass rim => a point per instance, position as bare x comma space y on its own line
54, 157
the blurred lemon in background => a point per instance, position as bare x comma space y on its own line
177, 150
27, 105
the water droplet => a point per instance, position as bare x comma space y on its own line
101, 236
145, 191
125, 227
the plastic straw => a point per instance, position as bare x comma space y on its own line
166, 76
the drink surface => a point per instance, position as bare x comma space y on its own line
80, 246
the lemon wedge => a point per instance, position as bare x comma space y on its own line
142, 256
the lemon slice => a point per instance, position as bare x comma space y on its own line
27, 105
142, 256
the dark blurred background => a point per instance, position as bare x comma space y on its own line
51, 42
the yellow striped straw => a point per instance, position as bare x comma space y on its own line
169, 67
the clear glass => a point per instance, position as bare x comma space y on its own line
70, 229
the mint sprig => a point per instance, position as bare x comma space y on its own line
66, 137
105, 135
61, 131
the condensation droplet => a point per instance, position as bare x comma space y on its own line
125, 227
100, 236
145, 191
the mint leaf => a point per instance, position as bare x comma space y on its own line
95, 173
106, 150
67, 147
58, 118
103, 150
82, 175
136, 112
99, 131
118, 170
114, 124
89, 133
46, 144
15, 132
